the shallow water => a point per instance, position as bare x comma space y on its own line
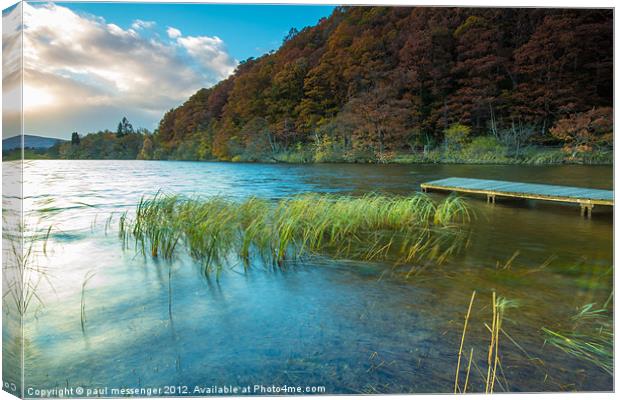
348, 326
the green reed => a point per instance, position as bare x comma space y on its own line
24, 270
89, 275
590, 337
215, 230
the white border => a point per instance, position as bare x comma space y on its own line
479, 3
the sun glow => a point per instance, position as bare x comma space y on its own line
36, 97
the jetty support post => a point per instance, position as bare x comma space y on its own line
491, 198
586, 210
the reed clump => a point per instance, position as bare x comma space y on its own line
216, 230
24, 269
499, 305
590, 337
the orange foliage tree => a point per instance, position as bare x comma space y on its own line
583, 132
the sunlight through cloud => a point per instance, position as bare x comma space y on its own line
83, 60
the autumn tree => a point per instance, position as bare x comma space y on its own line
257, 139
424, 69
380, 120
477, 73
565, 67
146, 152
456, 136
286, 90
585, 131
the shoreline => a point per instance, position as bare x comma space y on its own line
473, 162
534, 155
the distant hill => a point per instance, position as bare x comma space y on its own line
30, 141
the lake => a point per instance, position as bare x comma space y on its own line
348, 326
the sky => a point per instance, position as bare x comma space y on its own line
86, 65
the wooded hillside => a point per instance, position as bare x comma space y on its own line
379, 79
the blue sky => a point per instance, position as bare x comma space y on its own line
247, 30
88, 65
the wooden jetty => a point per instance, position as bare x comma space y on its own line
585, 197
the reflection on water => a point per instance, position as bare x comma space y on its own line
349, 326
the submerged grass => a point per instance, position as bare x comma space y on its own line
590, 337
89, 275
216, 230
23, 269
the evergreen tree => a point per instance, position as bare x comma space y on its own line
124, 128
75, 139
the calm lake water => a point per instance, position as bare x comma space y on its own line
352, 327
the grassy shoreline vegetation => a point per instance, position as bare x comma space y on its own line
487, 153
219, 232
482, 150
589, 140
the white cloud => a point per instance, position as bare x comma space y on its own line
140, 24
77, 65
11, 71
173, 33
210, 52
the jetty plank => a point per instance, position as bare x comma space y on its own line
586, 197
